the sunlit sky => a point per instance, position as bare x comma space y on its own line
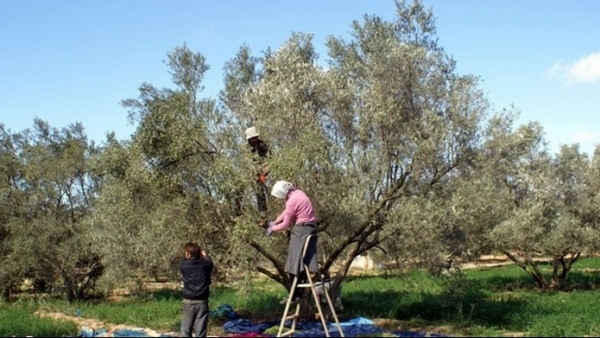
69, 60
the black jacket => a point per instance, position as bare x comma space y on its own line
262, 149
196, 277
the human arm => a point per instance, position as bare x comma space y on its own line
288, 212
279, 218
208, 262
284, 223
286, 218
205, 256
262, 173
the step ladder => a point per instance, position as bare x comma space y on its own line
312, 285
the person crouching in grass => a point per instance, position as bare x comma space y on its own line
196, 269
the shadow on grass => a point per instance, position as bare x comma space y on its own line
457, 305
259, 306
216, 292
576, 280
583, 280
167, 294
507, 283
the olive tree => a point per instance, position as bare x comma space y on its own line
384, 126
166, 185
549, 216
518, 200
51, 193
11, 197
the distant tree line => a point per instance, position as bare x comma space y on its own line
402, 156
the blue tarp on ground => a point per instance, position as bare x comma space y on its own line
129, 333
88, 332
224, 310
357, 327
242, 325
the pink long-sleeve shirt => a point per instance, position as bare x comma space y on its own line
298, 209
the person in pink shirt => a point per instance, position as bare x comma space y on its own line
300, 214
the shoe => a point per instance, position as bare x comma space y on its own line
294, 301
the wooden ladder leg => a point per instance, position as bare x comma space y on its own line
316, 298
290, 297
287, 309
331, 307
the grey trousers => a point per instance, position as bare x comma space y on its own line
194, 318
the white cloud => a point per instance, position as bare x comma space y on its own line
587, 140
584, 137
577, 134
584, 70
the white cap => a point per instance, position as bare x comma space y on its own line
251, 132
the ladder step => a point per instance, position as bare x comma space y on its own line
307, 285
312, 283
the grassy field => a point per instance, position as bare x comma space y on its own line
17, 319
484, 302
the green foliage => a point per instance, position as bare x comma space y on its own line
548, 216
371, 139
49, 194
400, 154
163, 188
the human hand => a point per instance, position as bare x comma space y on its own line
203, 253
270, 228
262, 178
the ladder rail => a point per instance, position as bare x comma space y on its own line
332, 308
316, 298
287, 308
311, 285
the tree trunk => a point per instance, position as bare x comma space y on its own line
560, 269
537, 274
307, 310
70, 288
530, 268
69, 291
7, 293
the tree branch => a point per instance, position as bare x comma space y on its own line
390, 195
524, 265
276, 263
271, 275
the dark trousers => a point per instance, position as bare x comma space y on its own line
194, 319
261, 197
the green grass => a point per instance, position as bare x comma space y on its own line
155, 314
484, 302
17, 319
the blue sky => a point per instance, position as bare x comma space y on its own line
72, 60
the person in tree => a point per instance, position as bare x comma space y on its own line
300, 214
196, 269
260, 152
